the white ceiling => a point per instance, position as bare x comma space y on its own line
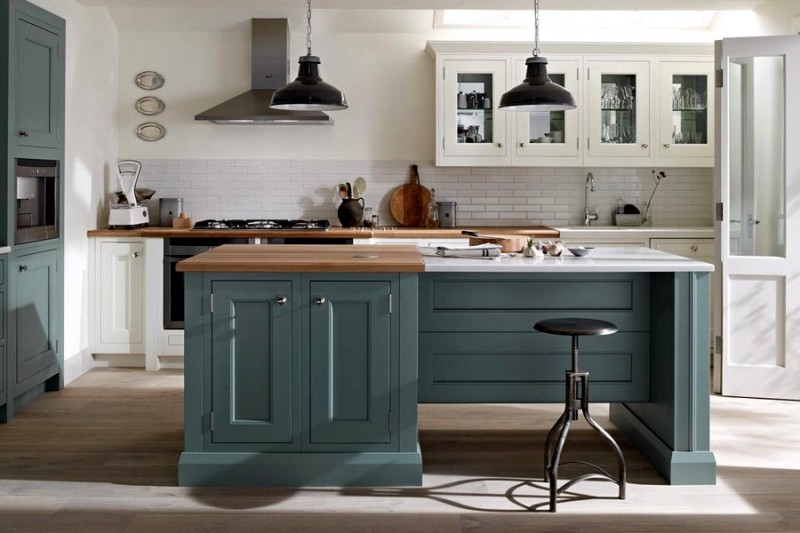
437, 4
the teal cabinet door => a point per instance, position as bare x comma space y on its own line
36, 313
37, 86
349, 362
252, 356
3, 313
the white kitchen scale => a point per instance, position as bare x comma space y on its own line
130, 215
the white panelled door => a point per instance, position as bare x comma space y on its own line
758, 185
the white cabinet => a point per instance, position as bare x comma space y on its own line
699, 249
634, 109
119, 296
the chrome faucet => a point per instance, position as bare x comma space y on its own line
587, 215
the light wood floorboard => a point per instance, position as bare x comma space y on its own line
102, 456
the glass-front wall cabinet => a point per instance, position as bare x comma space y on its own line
687, 115
619, 108
474, 131
550, 134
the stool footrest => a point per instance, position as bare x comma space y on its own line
584, 477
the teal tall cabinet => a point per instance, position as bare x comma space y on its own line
32, 89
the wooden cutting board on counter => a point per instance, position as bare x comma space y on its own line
507, 243
409, 202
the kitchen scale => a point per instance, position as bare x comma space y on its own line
130, 215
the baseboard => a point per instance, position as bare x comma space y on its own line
77, 365
171, 361
123, 360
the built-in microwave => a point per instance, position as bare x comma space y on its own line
36, 206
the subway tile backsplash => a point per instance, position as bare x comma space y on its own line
486, 196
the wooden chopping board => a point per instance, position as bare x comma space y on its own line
409, 202
507, 243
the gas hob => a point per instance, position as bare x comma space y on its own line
263, 224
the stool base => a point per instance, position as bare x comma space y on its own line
577, 398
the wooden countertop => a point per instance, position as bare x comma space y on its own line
541, 232
306, 258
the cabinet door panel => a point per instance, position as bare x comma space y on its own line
36, 313
122, 294
37, 86
252, 362
349, 360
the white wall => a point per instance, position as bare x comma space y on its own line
91, 149
775, 18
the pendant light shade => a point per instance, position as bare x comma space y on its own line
537, 92
308, 92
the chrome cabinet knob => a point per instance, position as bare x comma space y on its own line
694, 247
135, 254
666, 145
23, 268
281, 300
319, 300
644, 145
23, 133
500, 145
522, 145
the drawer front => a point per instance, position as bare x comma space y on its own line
701, 249
529, 367
2, 272
514, 302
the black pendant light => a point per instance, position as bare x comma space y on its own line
308, 92
537, 92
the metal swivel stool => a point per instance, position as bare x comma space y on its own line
577, 397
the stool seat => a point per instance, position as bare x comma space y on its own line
575, 326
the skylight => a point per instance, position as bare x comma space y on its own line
685, 20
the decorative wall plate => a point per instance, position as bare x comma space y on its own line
149, 80
149, 105
150, 131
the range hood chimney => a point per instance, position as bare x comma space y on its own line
270, 71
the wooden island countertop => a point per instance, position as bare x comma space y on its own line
306, 258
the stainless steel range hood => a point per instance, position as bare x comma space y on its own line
270, 71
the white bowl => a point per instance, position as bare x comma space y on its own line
580, 251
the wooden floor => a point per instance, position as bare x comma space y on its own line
101, 456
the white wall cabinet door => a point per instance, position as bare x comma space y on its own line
550, 137
686, 113
470, 128
618, 111
119, 297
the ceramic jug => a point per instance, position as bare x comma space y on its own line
351, 212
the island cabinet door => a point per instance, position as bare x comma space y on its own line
349, 370
252, 358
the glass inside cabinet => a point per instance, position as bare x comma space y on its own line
475, 112
689, 109
548, 126
618, 109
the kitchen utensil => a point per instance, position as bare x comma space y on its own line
149, 80
447, 214
349, 190
342, 188
409, 202
507, 243
131, 214
149, 105
359, 186
150, 131
169, 208
128, 175
630, 209
141, 194
182, 221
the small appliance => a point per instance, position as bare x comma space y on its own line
131, 214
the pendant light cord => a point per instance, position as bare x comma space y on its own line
308, 30
535, 22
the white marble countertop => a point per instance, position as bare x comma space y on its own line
665, 232
4, 249
599, 260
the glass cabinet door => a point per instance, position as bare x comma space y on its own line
619, 108
472, 126
549, 134
686, 112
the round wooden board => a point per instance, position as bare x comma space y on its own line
409, 204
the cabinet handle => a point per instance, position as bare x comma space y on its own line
644, 145
23, 133
522, 145
694, 247
319, 300
135, 254
666, 145
500, 145
23, 268
281, 300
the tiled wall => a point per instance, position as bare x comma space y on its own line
485, 196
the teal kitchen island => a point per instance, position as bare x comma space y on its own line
304, 364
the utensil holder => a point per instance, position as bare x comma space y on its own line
627, 220
351, 212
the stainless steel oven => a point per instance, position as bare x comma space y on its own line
36, 205
178, 249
